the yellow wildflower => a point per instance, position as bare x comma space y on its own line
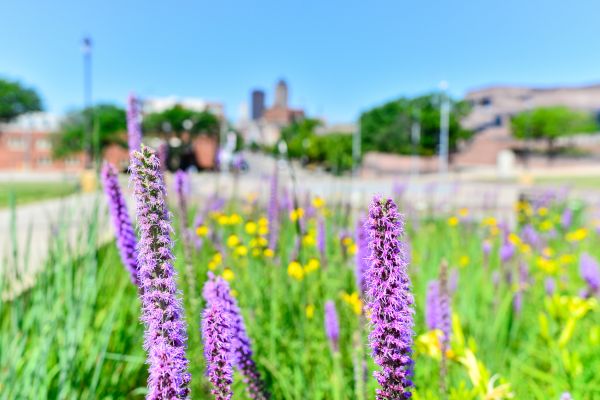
212, 265
463, 261
463, 212
542, 211
514, 239
232, 241
202, 230
525, 248
453, 221
228, 274
241, 251
251, 228
489, 221
318, 202
547, 265
548, 252
263, 221
218, 258
268, 253
576, 236
352, 249
347, 241
312, 265
308, 240
546, 225
295, 270
263, 230
296, 214
354, 301
222, 220
310, 311
235, 219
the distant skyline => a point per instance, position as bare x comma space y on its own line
338, 57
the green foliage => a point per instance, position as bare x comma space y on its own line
333, 151
550, 123
176, 118
108, 126
387, 128
16, 99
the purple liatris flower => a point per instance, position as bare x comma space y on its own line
216, 334
216, 290
550, 286
507, 251
134, 129
486, 247
332, 325
162, 310
321, 237
362, 255
531, 237
273, 211
126, 239
432, 305
590, 272
390, 301
566, 219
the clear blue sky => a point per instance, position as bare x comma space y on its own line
339, 57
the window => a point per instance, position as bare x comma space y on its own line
16, 143
43, 144
44, 161
72, 161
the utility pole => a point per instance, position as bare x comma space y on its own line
86, 49
444, 126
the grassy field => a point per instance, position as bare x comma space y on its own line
30, 192
76, 335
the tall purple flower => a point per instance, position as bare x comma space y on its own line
332, 325
550, 286
507, 250
566, 219
444, 323
390, 301
362, 255
182, 189
590, 272
321, 237
216, 334
126, 239
216, 290
162, 310
273, 211
432, 305
134, 129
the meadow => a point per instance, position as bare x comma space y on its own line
525, 322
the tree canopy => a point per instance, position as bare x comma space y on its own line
179, 119
550, 123
387, 128
16, 99
109, 126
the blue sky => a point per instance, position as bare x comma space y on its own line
339, 57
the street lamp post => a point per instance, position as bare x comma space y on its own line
444, 127
86, 49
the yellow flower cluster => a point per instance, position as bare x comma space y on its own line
318, 202
354, 301
577, 235
296, 214
298, 272
349, 245
310, 311
225, 220
202, 230
215, 261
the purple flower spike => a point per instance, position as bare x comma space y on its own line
550, 286
216, 290
332, 325
590, 272
126, 239
162, 311
273, 211
321, 237
566, 219
216, 334
432, 304
362, 255
390, 301
134, 129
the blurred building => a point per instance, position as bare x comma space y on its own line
265, 126
258, 104
26, 144
493, 108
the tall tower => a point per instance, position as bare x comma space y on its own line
281, 95
258, 104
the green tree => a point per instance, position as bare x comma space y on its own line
550, 123
387, 128
179, 119
109, 126
16, 99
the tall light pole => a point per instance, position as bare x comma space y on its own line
86, 49
444, 126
